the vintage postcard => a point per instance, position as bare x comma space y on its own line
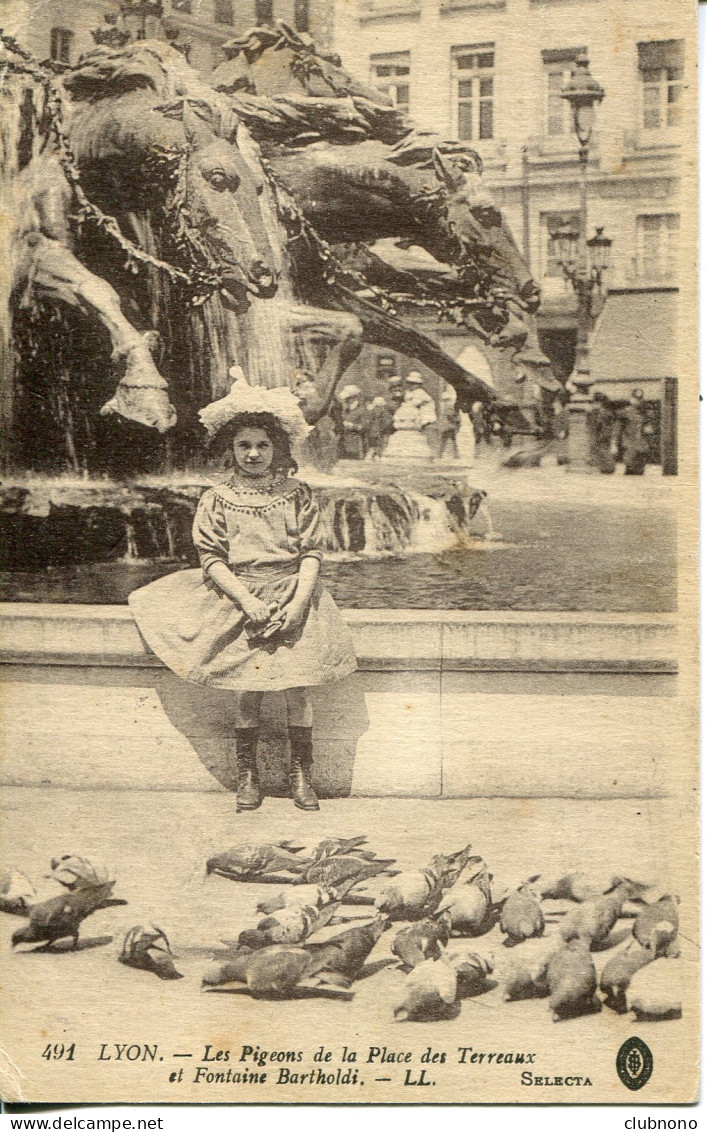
349, 551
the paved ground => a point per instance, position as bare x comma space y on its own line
157, 843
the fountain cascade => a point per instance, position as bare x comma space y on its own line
62, 521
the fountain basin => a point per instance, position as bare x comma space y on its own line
58, 522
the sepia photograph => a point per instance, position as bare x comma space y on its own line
349, 552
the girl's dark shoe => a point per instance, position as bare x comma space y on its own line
249, 795
301, 788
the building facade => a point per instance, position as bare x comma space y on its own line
491, 72
62, 29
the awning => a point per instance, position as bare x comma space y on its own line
634, 336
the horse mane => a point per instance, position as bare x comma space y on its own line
107, 72
258, 39
170, 84
348, 111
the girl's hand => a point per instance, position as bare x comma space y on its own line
295, 613
257, 611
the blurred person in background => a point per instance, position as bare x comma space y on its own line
449, 423
352, 437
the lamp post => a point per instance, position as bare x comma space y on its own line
583, 93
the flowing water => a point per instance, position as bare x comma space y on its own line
543, 550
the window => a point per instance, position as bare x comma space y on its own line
657, 239
472, 91
60, 44
263, 11
561, 242
662, 69
390, 74
223, 11
558, 68
301, 15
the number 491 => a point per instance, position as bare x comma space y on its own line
59, 1052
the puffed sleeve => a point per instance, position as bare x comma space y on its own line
209, 531
309, 524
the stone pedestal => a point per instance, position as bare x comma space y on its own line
579, 449
444, 704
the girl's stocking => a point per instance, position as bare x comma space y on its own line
301, 787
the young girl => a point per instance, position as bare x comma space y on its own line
255, 618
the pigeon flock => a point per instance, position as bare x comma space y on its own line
311, 937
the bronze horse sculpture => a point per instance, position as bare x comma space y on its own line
219, 224
362, 173
141, 154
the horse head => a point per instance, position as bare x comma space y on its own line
221, 198
177, 155
479, 230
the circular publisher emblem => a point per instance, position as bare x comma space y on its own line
634, 1063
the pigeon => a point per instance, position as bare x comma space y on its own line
351, 944
430, 993
521, 916
412, 895
314, 895
472, 970
249, 862
579, 885
228, 970
621, 967
342, 846
61, 916
664, 910
655, 990
275, 972
421, 940
450, 866
576, 885
469, 902
290, 925
147, 949
74, 872
572, 980
340, 869
16, 893
593, 921
525, 978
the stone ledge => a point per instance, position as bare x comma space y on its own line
385, 640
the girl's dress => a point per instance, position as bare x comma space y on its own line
200, 633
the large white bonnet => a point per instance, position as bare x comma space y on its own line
280, 403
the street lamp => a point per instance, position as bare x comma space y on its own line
583, 93
599, 254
